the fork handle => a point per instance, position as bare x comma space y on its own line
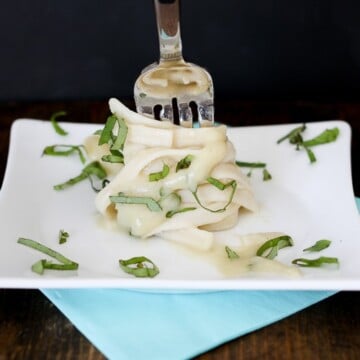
168, 25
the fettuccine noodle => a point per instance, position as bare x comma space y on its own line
199, 207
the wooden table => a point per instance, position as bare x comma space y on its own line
32, 328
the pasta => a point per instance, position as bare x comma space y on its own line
199, 188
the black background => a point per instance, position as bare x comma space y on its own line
253, 48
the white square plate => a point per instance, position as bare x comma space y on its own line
307, 201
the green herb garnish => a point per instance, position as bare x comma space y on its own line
116, 140
63, 236
151, 204
255, 165
115, 156
323, 260
221, 186
231, 253
266, 175
295, 137
271, 247
53, 119
156, 176
171, 213
92, 169
327, 136
139, 267
40, 266
310, 154
64, 150
319, 245
184, 163
250, 164
106, 134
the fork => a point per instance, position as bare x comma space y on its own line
172, 89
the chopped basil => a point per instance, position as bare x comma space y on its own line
295, 137
106, 134
156, 176
271, 247
231, 253
92, 169
171, 213
63, 236
184, 163
151, 204
59, 130
310, 154
139, 267
42, 265
319, 245
115, 141
219, 185
115, 156
322, 260
266, 175
255, 165
250, 164
327, 136
64, 150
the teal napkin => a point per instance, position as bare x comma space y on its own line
125, 324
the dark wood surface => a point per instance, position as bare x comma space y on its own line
32, 328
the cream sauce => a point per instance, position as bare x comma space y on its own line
248, 263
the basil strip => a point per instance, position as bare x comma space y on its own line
327, 136
156, 176
116, 142
219, 184
271, 247
138, 266
94, 168
106, 134
293, 135
63, 236
114, 159
295, 138
40, 266
59, 130
184, 163
119, 142
319, 245
151, 204
64, 150
233, 185
171, 213
266, 175
322, 260
231, 253
310, 154
255, 165
250, 164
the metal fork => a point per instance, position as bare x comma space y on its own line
172, 89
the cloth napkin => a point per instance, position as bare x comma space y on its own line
128, 324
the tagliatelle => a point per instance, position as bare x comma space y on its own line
197, 207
